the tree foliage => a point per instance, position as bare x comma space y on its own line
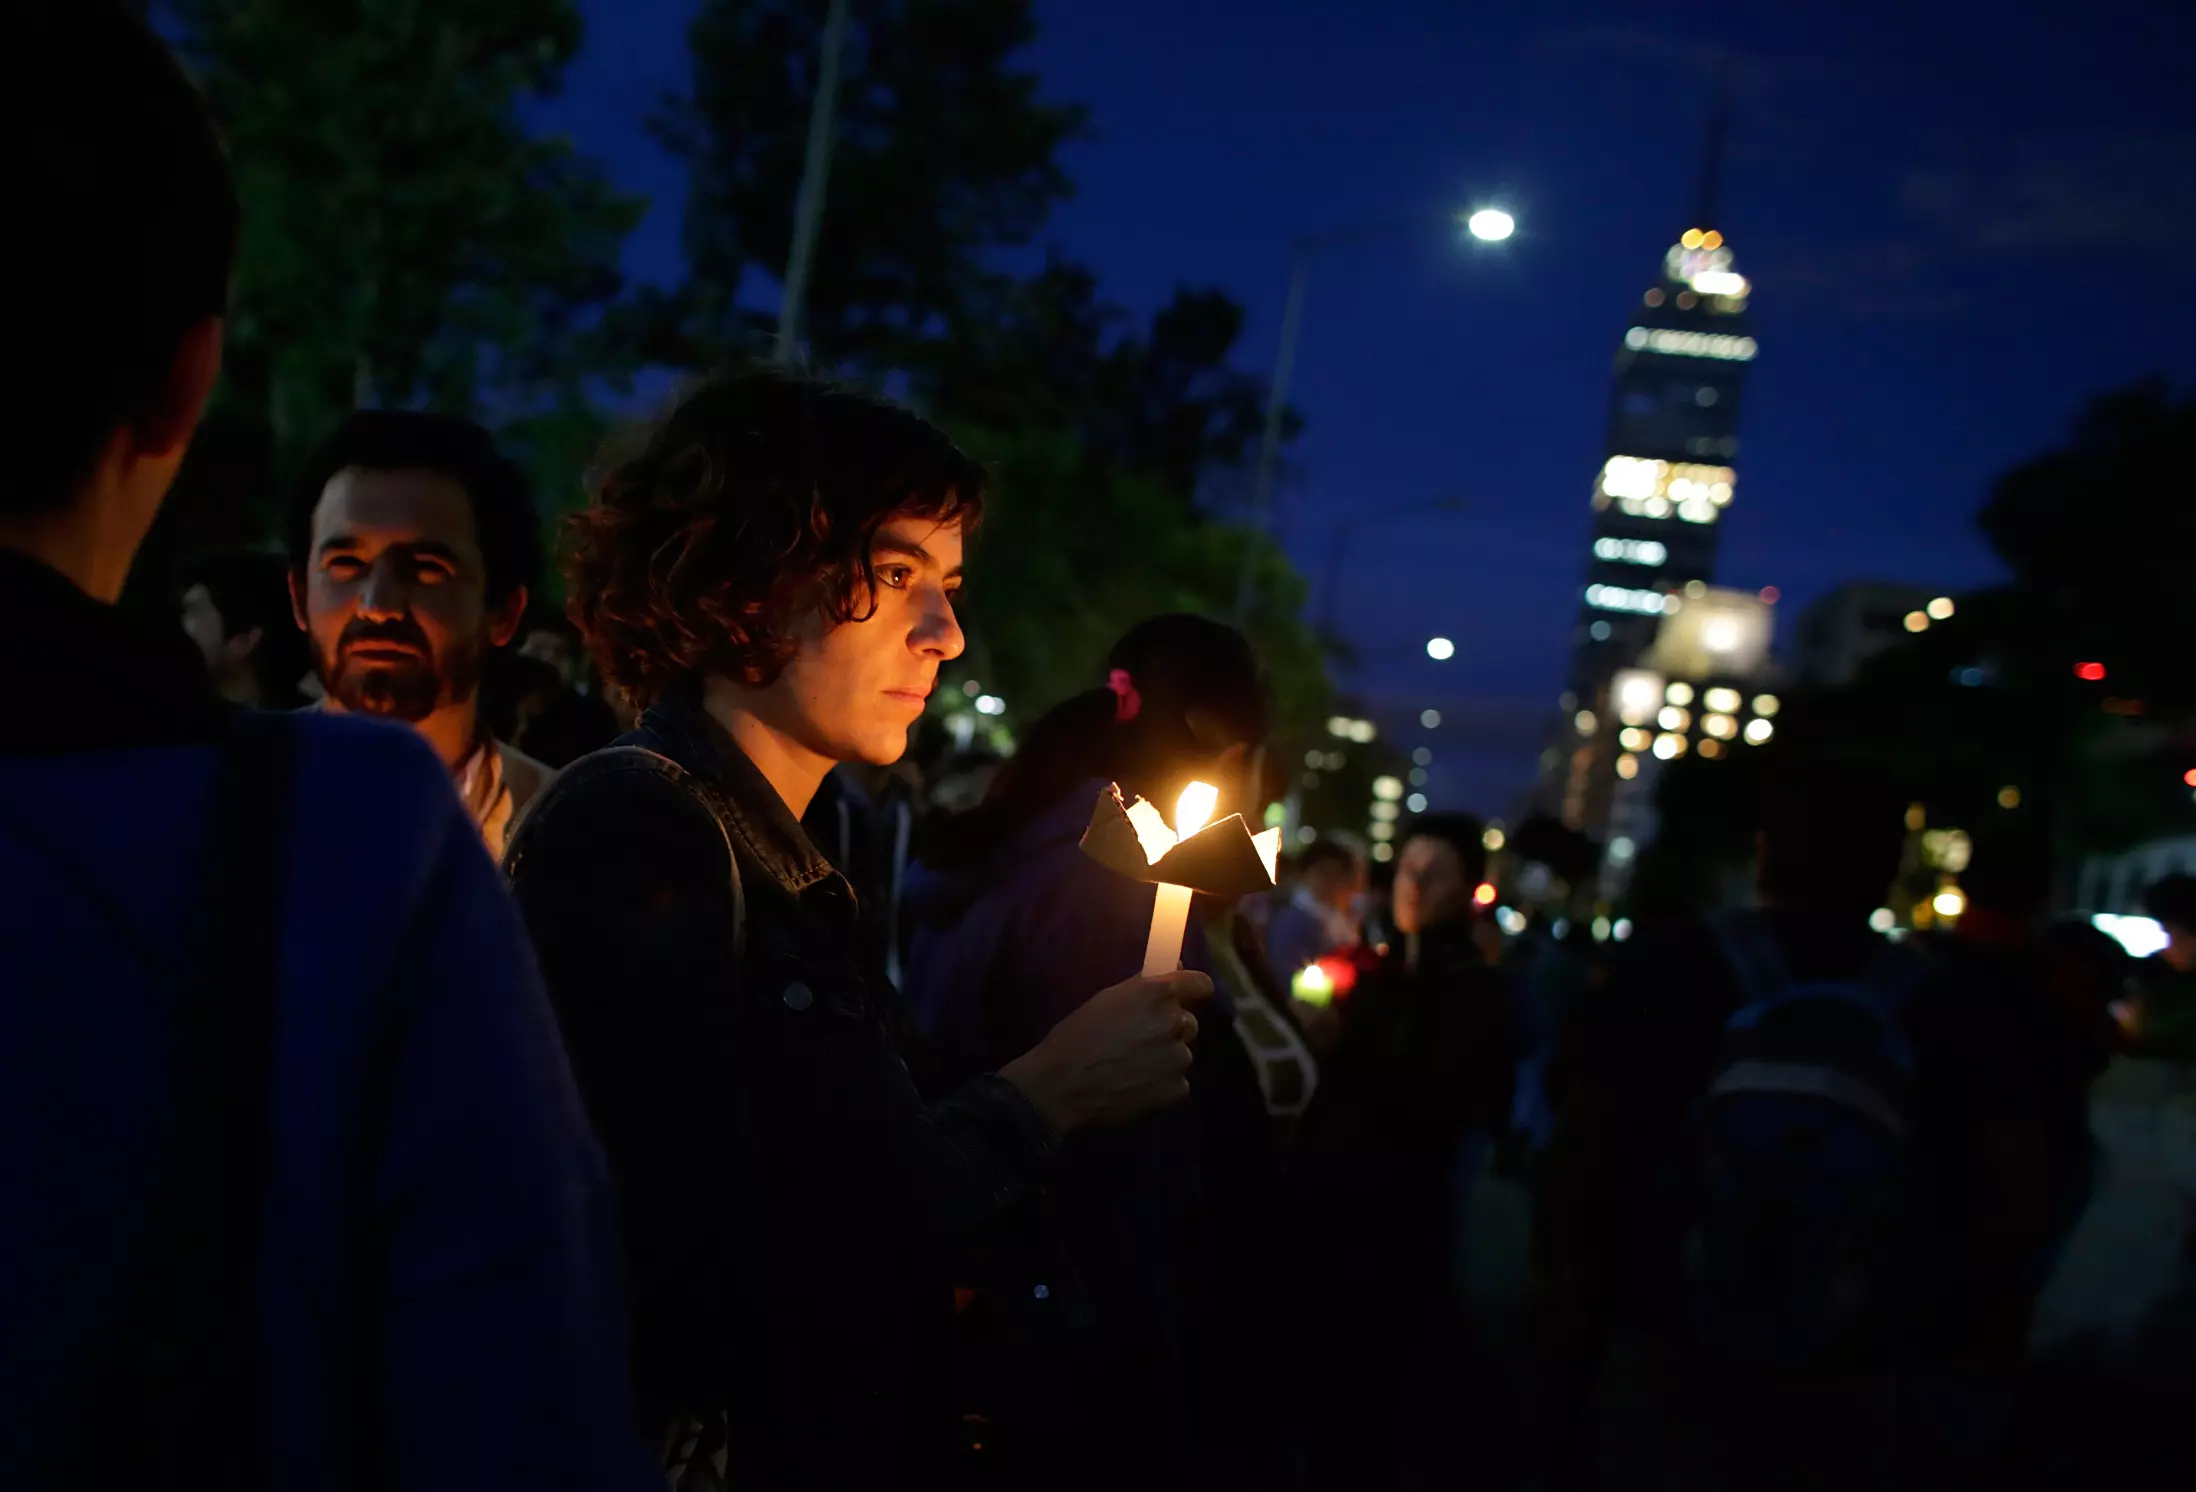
406, 239
2098, 535
1071, 556
1105, 430
942, 154
1162, 402
2095, 533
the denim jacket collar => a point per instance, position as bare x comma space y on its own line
772, 837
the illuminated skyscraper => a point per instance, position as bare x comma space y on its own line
1667, 479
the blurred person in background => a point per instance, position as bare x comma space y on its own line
1409, 1100
515, 692
771, 576
573, 719
2161, 1018
962, 779
413, 544
236, 607
864, 818
299, 1193
555, 641
1014, 927
1999, 999
1323, 910
1786, 1168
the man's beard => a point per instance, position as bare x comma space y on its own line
409, 691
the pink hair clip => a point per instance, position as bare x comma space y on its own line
1127, 701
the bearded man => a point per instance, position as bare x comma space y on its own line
413, 543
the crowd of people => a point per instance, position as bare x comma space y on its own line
457, 1044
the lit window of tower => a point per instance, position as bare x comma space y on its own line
1670, 471
1667, 479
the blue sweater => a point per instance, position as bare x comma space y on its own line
435, 1303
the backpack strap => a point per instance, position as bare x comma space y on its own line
612, 760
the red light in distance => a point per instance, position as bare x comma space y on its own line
1485, 895
2089, 673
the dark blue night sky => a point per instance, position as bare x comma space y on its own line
1961, 219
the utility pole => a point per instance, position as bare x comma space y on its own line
815, 176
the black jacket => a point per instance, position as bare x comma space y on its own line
1426, 1057
792, 1212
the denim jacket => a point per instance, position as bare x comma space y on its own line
794, 1216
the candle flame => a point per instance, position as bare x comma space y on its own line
1194, 810
1152, 833
1312, 985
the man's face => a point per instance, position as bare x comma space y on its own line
1336, 882
204, 626
394, 594
1429, 885
854, 688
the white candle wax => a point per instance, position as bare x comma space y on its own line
1169, 921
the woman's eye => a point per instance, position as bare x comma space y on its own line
896, 576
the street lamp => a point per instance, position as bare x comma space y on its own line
1488, 224
1491, 225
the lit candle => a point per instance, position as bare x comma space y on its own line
1220, 859
1170, 911
1313, 985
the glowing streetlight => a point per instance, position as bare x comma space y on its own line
1440, 649
1488, 225
1491, 225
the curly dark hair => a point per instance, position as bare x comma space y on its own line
756, 498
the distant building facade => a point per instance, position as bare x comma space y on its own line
1852, 624
1667, 479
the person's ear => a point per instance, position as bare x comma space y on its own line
163, 427
503, 622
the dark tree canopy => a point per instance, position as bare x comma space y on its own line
943, 153
2099, 534
406, 239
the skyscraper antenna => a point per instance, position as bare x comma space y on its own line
1712, 148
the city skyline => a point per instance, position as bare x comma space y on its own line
1950, 257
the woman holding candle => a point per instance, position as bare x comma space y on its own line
772, 577
1016, 927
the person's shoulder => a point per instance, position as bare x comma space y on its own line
393, 757
622, 795
1667, 948
343, 763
